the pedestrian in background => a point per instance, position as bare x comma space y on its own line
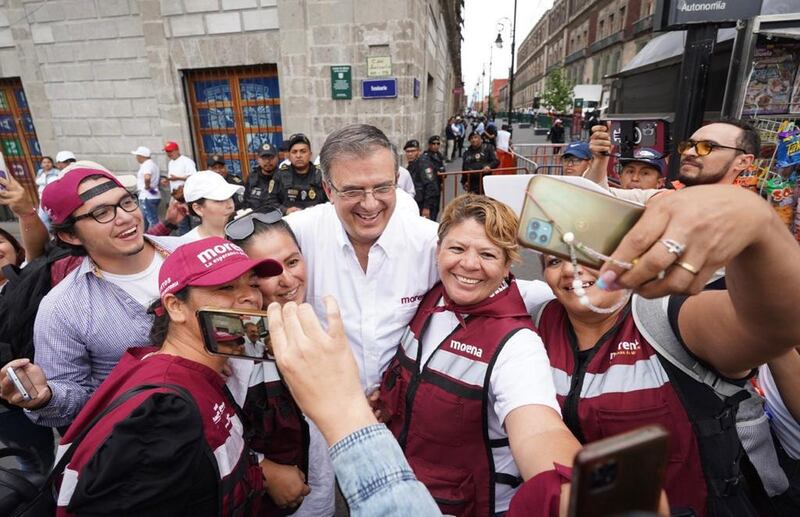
147, 179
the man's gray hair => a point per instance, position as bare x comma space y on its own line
355, 140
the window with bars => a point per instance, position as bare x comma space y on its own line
233, 112
18, 141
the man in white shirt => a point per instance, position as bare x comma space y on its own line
179, 168
147, 179
368, 247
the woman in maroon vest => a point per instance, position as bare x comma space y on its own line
611, 379
469, 395
297, 465
159, 453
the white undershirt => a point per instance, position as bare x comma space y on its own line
783, 423
142, 286
521, 376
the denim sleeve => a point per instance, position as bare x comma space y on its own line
375, 477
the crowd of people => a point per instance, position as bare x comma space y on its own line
405, 368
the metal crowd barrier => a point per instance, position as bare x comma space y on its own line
456, 181
545, 156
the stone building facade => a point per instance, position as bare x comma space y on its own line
101, 77
590, 39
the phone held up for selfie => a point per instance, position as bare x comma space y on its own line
23, 383
238, 333
620, 474
597, 220
3, 170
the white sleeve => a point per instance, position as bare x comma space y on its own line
534, 293
522, 376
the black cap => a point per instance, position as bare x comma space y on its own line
410, 144
434, 140
215, 159
298, 138
267, 150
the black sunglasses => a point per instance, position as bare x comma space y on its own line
243, 227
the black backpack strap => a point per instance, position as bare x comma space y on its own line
67, 456
19, 484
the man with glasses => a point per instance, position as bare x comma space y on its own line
299, 185
368, 247
575, 159
87, 321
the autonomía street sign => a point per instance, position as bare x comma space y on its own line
341, 82
678, 14
379, 88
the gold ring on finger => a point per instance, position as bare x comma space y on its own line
688, 267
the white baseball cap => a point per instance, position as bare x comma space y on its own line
63, 156
142, 151
209, 185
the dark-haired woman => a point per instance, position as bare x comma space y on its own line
171, 451
296, 455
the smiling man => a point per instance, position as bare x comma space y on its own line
90, 318
368, 247
717, 153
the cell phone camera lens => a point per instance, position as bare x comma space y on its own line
543, 239
533, 236
535, 225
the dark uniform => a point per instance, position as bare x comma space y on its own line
256, 192
292, 189
438, 160
426, 184
475, 160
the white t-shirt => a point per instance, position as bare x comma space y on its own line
376, 306
503, 138
521, 376
143, 286
183, 167
405, 182
784, 424
145, 168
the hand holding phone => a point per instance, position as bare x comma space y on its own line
24, 384
600, 140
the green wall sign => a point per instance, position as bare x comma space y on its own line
341, 82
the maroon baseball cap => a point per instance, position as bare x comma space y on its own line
60, 198
208, 262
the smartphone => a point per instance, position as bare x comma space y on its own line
3, 170
23, 384
620, 474
238, 333
597, 219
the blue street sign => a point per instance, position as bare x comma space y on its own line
379, 88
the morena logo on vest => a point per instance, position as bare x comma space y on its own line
469, 349
626, 348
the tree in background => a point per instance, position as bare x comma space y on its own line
558, 91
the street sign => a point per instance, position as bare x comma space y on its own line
379, 66
379, 88
416, 87
341, 82
679, 14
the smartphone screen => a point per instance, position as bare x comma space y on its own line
243, 335
23, 383
3, 170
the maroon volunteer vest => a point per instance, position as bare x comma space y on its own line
623, 386
240, 477
439, 414
275, 427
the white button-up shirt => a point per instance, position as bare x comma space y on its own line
377, 305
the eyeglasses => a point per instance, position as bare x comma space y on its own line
243, 227
360, 194
703, 147
107, 213
571, 161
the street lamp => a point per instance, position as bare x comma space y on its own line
499, 42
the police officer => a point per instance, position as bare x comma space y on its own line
299, 184
478, 156
426, 184
434, 153
261, 179
216, 163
